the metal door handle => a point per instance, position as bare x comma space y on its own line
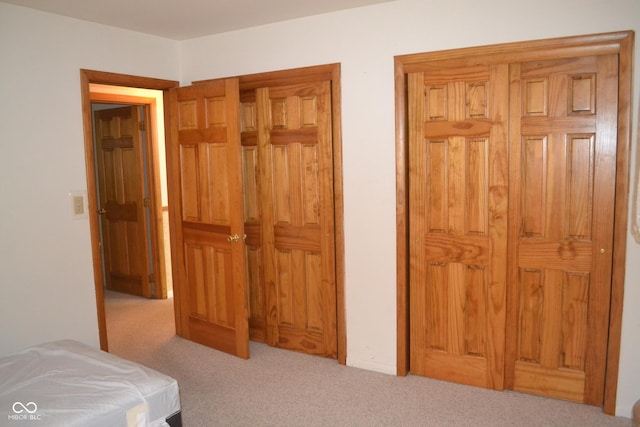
235, 238
102, 211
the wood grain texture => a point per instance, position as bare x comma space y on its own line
580, 104
297, 224
119, 160
565, 187
291, 182
625, 49
205, 177
457, 219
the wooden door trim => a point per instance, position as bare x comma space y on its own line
620, 43
88, 77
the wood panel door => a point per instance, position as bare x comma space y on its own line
121, 200
457, 120
205, 183
294, 149
568, 120
562, 193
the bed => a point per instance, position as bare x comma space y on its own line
67, 383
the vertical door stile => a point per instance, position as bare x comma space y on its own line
265, 161
326, 201
515, 207
605, 163
253, 216
417, 196
236, 217
498, 193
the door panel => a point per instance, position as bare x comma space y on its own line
296, 178
458, 199
205, 177
121, 197
563, 163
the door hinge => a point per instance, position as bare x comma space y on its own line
142, 126
147, 202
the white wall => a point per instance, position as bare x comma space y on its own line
46, 276
365, 41
46, 280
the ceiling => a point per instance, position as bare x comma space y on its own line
185, 19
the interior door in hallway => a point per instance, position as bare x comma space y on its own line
205, 198
562, 193
297, 205
121, 200
458, 209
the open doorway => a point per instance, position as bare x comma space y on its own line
128, 130
146, 96
130, 178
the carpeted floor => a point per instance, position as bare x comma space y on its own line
282, 388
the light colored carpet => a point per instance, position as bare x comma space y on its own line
283, 388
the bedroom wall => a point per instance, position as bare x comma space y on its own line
46, 278
365, 41
46, 275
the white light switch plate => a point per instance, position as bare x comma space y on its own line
78, 204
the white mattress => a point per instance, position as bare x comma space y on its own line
66, 383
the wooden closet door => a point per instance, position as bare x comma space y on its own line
205, 183
458, 222
297, 206
563, 168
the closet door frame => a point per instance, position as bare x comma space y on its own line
620, 43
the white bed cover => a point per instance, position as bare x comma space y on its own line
66, 383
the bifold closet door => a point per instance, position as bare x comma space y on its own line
252, 176
548, 299
289, 216
458, 166
205, 195
562, 190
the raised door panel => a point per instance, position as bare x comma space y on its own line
205, 175
121, 195
298, 216
458, 200
563, 185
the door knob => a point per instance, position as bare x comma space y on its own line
235, 238
102, 211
